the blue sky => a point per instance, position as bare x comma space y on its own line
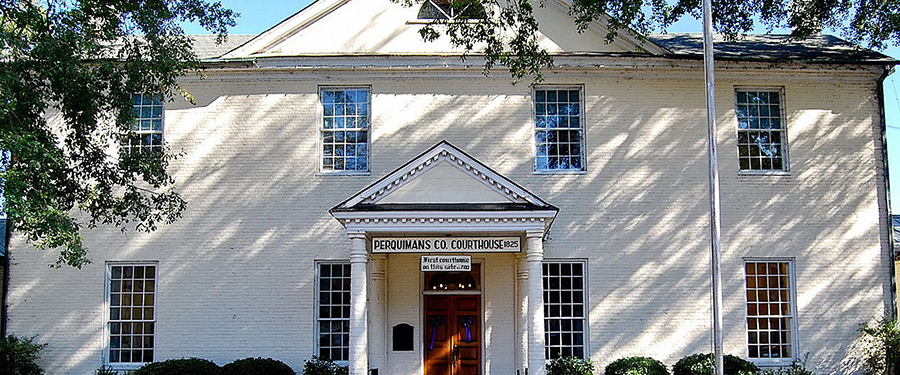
256, 17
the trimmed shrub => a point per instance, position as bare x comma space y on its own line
257, 366
317, 366
570, 366
105, 370
702, 364
636, 366
881, 351
798, 367
19, 356
183, 366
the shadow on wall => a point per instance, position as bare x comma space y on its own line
241, 258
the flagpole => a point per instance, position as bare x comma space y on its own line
714, 206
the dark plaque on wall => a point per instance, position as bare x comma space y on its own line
403, 338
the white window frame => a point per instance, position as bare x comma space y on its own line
137, 131
792, 293
318, 290
535, 129
785, 143
320, 149
584, 303
447, 17
107, 335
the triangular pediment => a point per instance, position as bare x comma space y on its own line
361, 27
443, 175
444, 190
445, 183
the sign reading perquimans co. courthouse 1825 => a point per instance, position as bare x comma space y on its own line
446, 244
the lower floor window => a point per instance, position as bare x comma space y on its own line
333, 315
564, 309
770, 309
132, 313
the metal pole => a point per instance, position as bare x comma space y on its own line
714, 206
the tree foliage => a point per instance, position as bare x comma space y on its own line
19, 356
68, 70
881, 347
506, 33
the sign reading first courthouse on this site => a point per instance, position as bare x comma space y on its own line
452, 263
446, 244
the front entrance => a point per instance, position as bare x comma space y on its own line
452, 335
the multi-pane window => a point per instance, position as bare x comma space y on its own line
770, 309
558, 130
147, 130
132, 313
761, 137
564, 309
345, 129
334, 311
451, 10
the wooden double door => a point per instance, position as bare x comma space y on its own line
452, 335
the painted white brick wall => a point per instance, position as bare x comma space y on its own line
236, 273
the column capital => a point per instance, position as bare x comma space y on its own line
529, 234
358, 252
534, 252
356, 234
376, 267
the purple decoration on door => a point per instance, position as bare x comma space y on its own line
467, 322
436, 321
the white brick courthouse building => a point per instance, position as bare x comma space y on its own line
360, 195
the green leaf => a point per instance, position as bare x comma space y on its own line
67, 76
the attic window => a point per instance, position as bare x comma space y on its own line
451, 10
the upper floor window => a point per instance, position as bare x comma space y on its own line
147, 130
345, 129
559, 130
761, 137
770, 310
451, 10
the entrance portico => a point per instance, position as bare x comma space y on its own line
445, 193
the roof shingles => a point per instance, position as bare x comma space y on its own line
770, 47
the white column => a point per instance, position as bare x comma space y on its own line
359, 341
534, 256
377, 313
522, 316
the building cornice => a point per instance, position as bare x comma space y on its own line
443, 221
631, 67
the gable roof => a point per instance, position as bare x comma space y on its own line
205, 46
386, 27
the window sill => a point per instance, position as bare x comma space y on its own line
125, 366
764, 173
772, 362
345, 173
427, 21
562, 171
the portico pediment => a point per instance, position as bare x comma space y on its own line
444, 189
